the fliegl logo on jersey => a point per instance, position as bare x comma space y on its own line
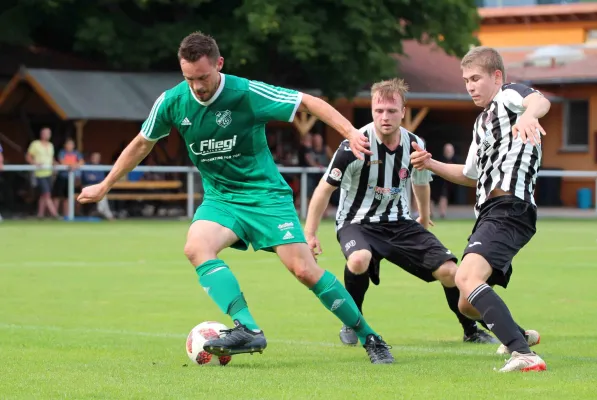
212, 146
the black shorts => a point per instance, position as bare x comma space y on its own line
404, 243
60, 189
44, 185
505, 224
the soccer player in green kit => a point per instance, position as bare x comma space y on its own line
222, 120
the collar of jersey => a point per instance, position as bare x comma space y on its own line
215, 96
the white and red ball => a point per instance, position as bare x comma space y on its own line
198, 336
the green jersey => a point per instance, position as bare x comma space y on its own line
225, 136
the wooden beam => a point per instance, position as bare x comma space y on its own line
419, 118
304, 122
79, 125
10, 87
412, 124
45, 96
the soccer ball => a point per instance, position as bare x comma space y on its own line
198, 336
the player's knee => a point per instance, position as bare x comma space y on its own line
195, 253
358, 262
305, 271
468, 310
446, 274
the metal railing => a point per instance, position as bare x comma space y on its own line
191, 171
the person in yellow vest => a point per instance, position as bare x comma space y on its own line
41, 154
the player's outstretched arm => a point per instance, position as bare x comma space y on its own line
317, 206
332, 117
421, 159
130, 157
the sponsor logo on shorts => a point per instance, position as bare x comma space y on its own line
285, 226
350, 244
288, 236
336, 174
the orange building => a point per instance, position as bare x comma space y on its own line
554, 49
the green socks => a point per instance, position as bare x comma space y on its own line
221, 285
336, 299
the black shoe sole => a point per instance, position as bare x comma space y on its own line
230, 351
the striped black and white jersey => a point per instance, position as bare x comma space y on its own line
497, 160
374, 189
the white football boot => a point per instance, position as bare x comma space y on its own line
524, 363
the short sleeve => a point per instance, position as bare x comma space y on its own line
157, 125
338, 168
61, 154
420, 177
273, 103
470, 166
514, 94
32, 147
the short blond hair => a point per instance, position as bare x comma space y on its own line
485, 57
389, 88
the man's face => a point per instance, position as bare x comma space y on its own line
69, 145
45, 134
203, 76
387, 113
480, 84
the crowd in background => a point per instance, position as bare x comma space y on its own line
44, 193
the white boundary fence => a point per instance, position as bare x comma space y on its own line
192, 172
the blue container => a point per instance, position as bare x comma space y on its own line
584, 198
135, 176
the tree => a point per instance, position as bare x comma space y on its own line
334, 45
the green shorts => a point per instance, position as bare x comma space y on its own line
264, 227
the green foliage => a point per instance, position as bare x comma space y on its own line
334, 45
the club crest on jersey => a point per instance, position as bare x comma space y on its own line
223, 118
403, 174
336, 174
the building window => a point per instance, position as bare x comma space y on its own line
576, 125
592, 35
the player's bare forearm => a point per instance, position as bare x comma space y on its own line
325, 112
130, 157
451, 172
319, 202
423, 198
536, 105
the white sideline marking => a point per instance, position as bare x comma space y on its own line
166, 335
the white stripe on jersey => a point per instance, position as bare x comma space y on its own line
273, 94
147, 127
495, 159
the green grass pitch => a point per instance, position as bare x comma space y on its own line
101, 311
